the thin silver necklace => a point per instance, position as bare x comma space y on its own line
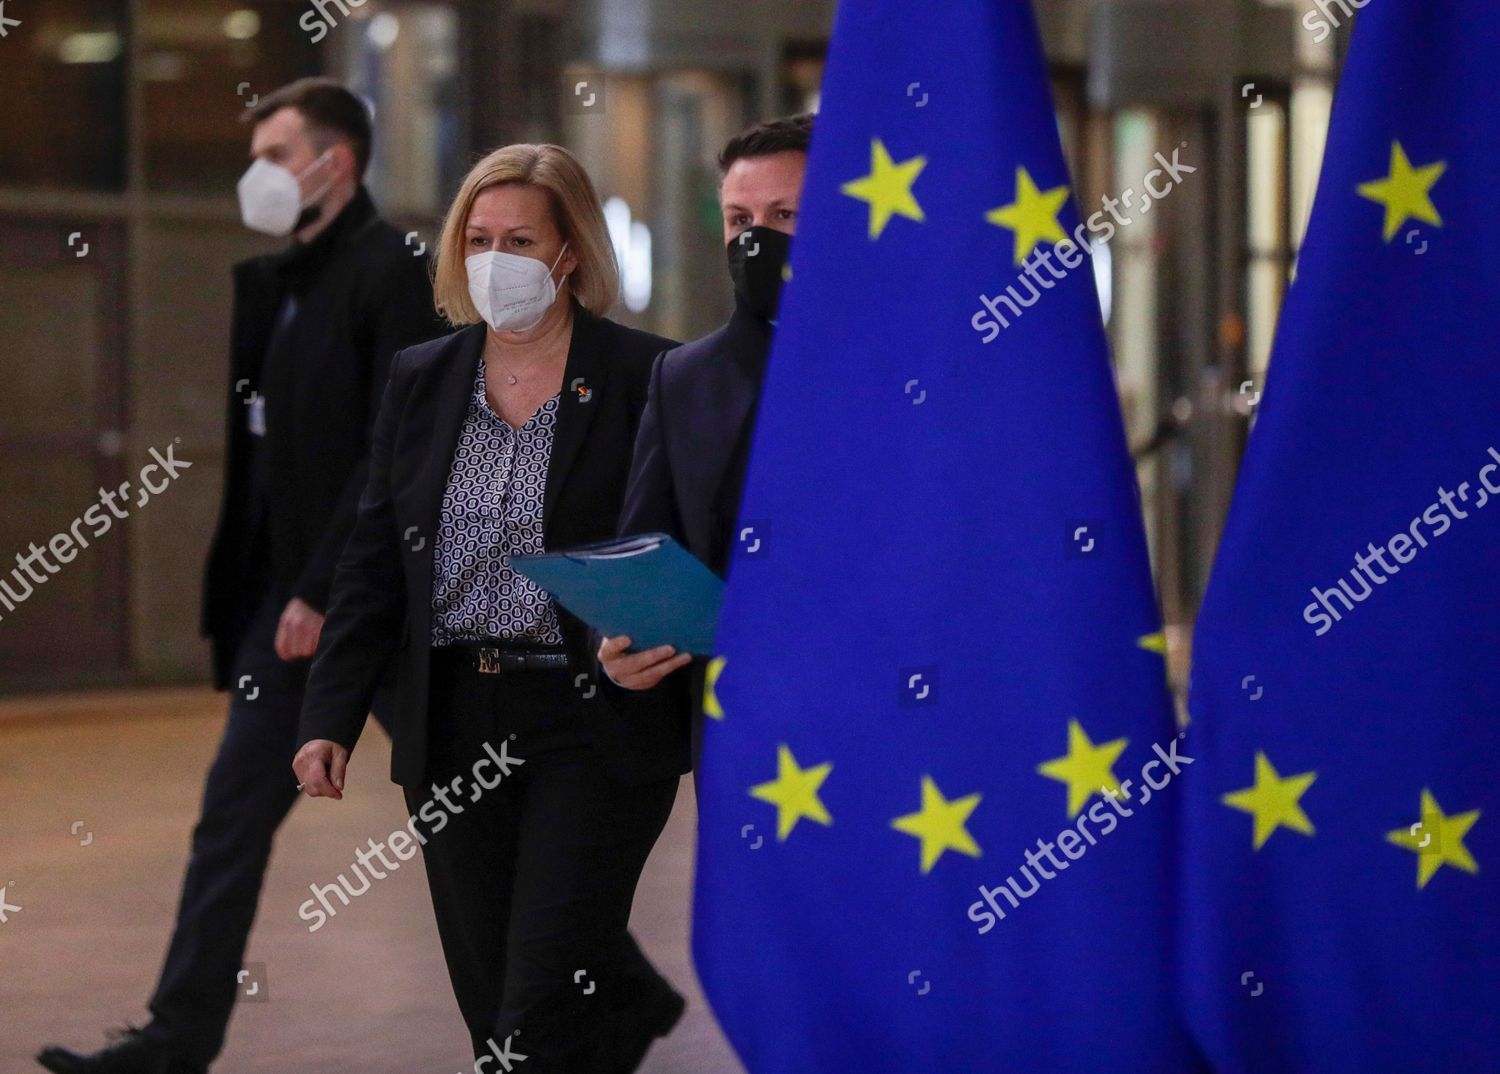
510, 376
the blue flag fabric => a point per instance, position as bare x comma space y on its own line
940, 648
1343, 841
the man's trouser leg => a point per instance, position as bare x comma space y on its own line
249, 791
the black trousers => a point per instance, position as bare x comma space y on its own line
532, 881
248, 793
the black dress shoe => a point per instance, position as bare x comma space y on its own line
130, 1052
643, 1025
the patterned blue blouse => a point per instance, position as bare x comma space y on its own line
492, 510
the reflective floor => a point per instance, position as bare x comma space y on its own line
98, 794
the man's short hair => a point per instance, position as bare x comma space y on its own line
788, 134
330, 111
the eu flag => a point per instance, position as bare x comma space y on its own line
925, 843
1343, 840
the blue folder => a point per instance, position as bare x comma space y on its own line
648, 587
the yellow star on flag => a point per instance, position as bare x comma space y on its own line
1153, 643
887, 188
939, 824
711, 706
794, 792
1085, 768
1437, 840
1032, 216
1405, 193
1273, 801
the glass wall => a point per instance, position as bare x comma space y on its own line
69, 64
202, 64
404, 60
653, 154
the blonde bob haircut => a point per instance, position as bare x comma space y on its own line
594, 284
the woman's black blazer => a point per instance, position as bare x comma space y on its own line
381, 606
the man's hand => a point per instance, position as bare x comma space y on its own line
639, 671
320, 768
297, 633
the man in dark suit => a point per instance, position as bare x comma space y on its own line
314, 330
694, 442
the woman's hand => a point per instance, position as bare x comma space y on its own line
639, 671
320, 768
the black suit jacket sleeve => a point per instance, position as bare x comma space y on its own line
650, 502
400, 313
650, 507
363, 629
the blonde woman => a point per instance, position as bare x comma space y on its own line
535, 804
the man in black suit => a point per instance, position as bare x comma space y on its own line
694, 442
314, 330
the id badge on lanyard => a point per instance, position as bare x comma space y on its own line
256, 415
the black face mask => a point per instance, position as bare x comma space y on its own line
758, 258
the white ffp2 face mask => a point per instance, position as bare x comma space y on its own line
271, 196
511, 292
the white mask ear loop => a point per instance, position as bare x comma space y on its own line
558, 262
555, 286
322, 190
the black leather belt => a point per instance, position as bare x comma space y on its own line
502, 659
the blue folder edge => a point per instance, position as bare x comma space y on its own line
647, 586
